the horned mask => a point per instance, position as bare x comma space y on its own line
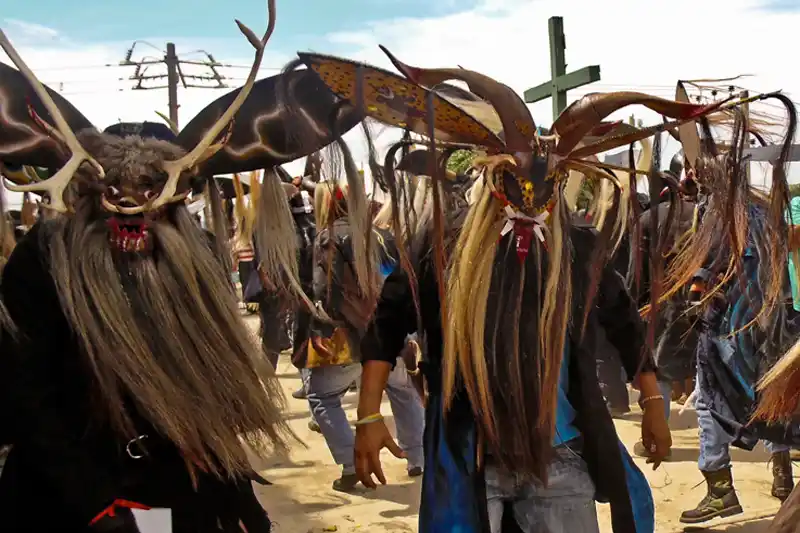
135, 175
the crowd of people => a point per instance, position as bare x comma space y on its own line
504, 324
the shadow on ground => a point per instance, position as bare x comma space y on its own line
751, 526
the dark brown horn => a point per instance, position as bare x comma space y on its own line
585, 114
688, 136
519, 129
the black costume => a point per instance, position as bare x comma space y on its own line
65, 468
674, 328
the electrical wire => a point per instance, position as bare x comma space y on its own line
76, 67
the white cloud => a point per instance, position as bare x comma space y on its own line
645, 46
32, 31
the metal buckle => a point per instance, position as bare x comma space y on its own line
137, 440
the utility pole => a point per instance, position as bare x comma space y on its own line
746, 112
171, 59
174, 76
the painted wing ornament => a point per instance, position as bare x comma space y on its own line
395, 101
244, 130
260, 136
61, 144
25, 138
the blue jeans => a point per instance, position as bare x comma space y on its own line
325, 388
714, 440
566, 505
409, 414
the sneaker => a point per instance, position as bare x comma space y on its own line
415, 471
300, 394
346, 483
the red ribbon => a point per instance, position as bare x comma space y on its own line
523, 234
111, 510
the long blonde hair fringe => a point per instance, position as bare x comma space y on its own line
465, 357
468, 284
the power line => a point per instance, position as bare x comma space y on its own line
175, 74
76, 67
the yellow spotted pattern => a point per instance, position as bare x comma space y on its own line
409, 109
527, 192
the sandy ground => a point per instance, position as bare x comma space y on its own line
301, 499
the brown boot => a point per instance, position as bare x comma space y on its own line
721, 500
346, 483
782, 480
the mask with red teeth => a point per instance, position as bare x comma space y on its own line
129, 234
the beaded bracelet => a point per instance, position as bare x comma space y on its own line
649, 398
377, 417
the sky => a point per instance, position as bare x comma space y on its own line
76, 46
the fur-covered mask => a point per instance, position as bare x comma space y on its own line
134, 179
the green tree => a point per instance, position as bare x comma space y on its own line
794, 190
586, 194
461, 160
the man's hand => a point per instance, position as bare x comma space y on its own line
656, 436
370, 440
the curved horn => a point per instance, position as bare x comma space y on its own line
418, 163
519, 129
584, 115
688, 136
205, 148
617, 139
172, 125
56, 184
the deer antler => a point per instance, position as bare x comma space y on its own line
205, 148
57, 184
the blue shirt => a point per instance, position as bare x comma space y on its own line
565, 413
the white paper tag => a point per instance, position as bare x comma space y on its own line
153, 520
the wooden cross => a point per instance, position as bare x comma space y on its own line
770, 153
561, 82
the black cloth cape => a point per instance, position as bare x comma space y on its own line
66, 466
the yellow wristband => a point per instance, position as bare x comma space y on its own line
377, 417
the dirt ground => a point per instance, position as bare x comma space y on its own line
302, 501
